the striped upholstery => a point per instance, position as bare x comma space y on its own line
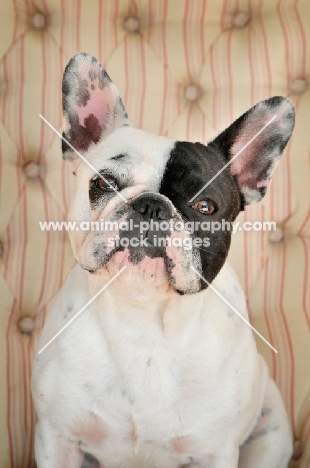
238, 52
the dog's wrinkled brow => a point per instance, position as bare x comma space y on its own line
118, 157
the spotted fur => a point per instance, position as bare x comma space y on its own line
157, 372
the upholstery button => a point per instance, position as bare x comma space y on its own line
277, 235
131, 24
32, 170
297, 453
38, 20
26, 324
192, 92
298, 85
240, 19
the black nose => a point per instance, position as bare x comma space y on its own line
152, 206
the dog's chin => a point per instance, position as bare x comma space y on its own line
149, 271
145, 277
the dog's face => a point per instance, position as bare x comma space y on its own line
150, 196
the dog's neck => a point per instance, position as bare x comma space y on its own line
144, 323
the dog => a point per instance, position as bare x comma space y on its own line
158, 371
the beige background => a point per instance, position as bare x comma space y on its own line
237, 53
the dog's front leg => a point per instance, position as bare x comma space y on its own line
270, 443
55, 451
227, 459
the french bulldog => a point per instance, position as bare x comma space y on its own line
157, 371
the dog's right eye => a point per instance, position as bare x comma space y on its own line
206, 207
106, 183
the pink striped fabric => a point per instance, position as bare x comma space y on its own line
180, 42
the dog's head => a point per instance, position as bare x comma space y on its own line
149, 202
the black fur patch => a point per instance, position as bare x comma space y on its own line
189, 168
90, 461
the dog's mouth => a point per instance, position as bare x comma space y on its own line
138, 237
145, 240
139, 253
160, 267
145, 254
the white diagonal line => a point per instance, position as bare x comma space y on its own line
83, 308
82, 157
232, 159
235, 310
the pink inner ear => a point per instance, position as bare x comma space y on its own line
248, 165
251, 152
98, 99
92, 106
96, 105
97, 102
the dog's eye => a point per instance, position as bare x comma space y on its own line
205, 207
106, 183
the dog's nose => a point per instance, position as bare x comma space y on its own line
152, 206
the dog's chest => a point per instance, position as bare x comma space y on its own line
151, 400
154, 383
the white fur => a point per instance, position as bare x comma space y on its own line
166, 383
144, 168
148, 155
145, 377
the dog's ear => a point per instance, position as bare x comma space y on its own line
253, 162
92, 107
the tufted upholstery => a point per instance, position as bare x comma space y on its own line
186, 69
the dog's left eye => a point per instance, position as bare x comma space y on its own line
205, 207
106, 183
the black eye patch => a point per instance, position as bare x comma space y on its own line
190, 167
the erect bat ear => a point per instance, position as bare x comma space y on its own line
253, 166
92, 107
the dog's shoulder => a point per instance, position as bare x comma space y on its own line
226, 286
